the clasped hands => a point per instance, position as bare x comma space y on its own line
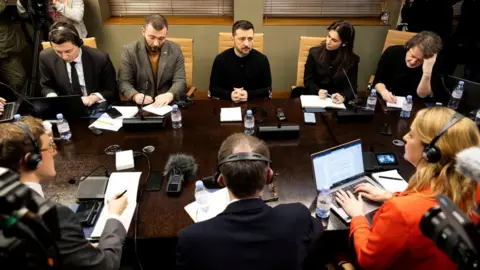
336, 98
160, 100
239, 95
353, 206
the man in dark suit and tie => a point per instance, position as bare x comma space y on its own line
69, 68
153, 66
248, 234
19, 142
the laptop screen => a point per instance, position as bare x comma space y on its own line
338, 164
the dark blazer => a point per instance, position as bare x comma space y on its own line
251, 235
136, 69
98, 70
320, 76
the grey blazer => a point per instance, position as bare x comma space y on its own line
136, 70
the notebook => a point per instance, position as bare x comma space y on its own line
314, 101
388, 184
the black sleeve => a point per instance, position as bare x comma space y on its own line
182, 262
216, 89
308, 75
108, 85
47, 79
381, 75
264, 86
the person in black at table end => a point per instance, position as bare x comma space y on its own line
327, 64
241, 73
412, 69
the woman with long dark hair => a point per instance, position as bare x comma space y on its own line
328, 63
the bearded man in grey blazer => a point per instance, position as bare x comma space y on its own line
152, 69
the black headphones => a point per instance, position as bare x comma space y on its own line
77, 41
244, 156
34, 158
431, 153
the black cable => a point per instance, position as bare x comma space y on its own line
107, 174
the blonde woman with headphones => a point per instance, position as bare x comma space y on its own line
394, 240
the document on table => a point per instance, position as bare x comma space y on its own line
231, 114
314, 101
398, 104
158, 110
127, 111
118, 183
389, 184
107, 123
218, 201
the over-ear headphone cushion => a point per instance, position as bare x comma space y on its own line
33, 160
431, 154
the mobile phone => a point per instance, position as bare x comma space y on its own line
309, 118
386, 159
113, 113
96, 131
154, 181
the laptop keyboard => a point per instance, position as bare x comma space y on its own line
7, 111
350, 188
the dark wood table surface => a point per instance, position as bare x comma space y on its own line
161, 216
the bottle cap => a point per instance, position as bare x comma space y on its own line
409, 97
59, 116
17, 116
461, 82
249, 112
175, 107
325, 189
374, 91
199, 184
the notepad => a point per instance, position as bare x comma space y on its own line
314, 101
127, 111
105, 122
158, 110
388, 184
231, 114
218, 201
118, 183
398, 104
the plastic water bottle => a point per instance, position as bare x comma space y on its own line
176, 117
456, 96
385, 17
324, 203
202, 197
407, 107
477, 118
372, 100
63, 128
17, 117
249, 123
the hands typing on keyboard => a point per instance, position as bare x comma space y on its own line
2, 103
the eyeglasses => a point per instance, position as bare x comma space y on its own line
52, 148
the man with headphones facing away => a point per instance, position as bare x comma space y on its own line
70, 68
26, 149
410, 69
248, 234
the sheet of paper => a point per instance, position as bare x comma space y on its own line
389, 184
105, 122
218, 202
398, 104
314, 101
231, 114
127, 111
158, 111
118, 183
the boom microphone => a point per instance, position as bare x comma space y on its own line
179, 168
468, 163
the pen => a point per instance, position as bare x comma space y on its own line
390, 178
123, 193
104, 122
330, 96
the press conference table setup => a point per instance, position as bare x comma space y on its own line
161, 216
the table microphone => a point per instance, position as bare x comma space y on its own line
354, 102
356, 115
468, 163
179, 168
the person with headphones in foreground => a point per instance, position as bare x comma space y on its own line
329, 64
248, 234
26, 149
69, 68
394, 241
410, 69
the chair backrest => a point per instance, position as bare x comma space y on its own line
90, 42
305, 44
395, 37
186, 45
225, 41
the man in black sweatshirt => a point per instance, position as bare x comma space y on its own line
241, 73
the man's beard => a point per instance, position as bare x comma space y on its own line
153, 49
243, 49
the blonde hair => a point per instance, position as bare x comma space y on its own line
441, 177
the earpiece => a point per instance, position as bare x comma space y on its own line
78, 41
34, 158
245, 156
431, 153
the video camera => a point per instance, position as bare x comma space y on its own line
26, 224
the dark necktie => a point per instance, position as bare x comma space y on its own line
77, 90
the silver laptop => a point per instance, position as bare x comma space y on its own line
9, 110
341, 167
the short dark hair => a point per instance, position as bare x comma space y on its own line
244, 178
15, 144
242, 24
427, 42
62, 32
158, 21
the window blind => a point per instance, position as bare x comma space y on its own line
322, 8
171, 7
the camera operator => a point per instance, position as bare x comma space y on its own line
26, 149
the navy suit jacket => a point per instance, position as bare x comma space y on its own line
251, 235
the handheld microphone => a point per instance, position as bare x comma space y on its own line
468, 163
179, 168
20, 96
